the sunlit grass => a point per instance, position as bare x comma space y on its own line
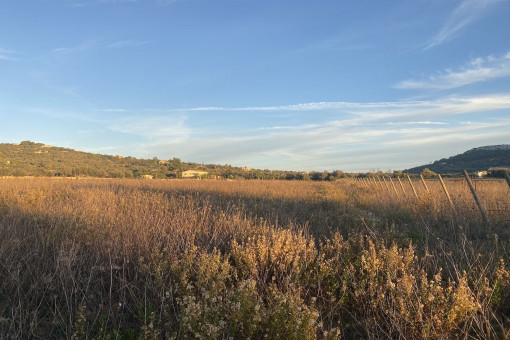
251, 259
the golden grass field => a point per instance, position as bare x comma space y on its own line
216, 259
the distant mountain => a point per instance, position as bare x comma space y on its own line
476, 159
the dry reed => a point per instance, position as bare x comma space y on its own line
251, 259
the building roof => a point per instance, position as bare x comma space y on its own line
193, 173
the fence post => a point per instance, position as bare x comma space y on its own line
386, 184
507, 177
412, 186
367, 183
393, 184
380, 182
424, 184
375, 183
446, 192
401, 186
478, 202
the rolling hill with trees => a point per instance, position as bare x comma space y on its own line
36, 159
477, 159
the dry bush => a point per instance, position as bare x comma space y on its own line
249, 259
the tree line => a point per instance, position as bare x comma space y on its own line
36, 159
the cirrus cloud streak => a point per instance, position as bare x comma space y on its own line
477, 70
468, 12
356, 137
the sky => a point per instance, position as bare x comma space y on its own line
272, 84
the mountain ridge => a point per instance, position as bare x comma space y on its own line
476, 159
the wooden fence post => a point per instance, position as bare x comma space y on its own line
386, 184
401, 186
507, 177
380, 183
478, 202
424, 184
393, 184
374, 183
366, 183
379, 180
446, 192
412, 186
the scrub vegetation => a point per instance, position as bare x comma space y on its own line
30, 159
217, 259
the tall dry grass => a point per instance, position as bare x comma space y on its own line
185, 259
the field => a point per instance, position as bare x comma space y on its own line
217, 259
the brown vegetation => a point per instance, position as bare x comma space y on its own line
252, 259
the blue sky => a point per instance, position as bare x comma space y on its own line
277, 84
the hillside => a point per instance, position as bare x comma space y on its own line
476, 159
37, 159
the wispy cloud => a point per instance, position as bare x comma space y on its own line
335, 145
73, 49
313, 106
468, 12
477, 70
7, 54
163, 128
372, 110
361, 136
128, 43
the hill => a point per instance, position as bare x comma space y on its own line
36, 159
476, 159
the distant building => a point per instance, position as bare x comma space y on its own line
163, 162
147, 177
246, 169
194, 174
481, 173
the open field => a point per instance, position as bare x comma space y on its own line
254, 259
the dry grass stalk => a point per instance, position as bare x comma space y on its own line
250, 259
